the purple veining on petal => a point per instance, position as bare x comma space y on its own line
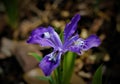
72, 42
83, 45
76, 47
45, 37
55, 37
91, 41
71, 27
49, 63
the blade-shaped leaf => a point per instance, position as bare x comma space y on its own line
37, 57
56, 76
46, 78
43, 78
97, 78
68, 66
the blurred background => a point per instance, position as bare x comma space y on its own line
19, 17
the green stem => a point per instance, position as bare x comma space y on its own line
51, 81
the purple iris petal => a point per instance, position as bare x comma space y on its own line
50, 62
75, 49
45, 37
83, 45
55, 37
72, 42
91, 41
71, 27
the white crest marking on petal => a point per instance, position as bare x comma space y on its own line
53, 57
47, 35
79, 42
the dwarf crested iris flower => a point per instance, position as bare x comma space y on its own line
48, 37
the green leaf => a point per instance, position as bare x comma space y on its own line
97, 78
45, 78
61, 36
68, 67
11, 7
37, 57
56, 76
63, 73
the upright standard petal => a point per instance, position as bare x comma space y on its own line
70, 42
45, 37
83, 45
50, 62
71, 27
